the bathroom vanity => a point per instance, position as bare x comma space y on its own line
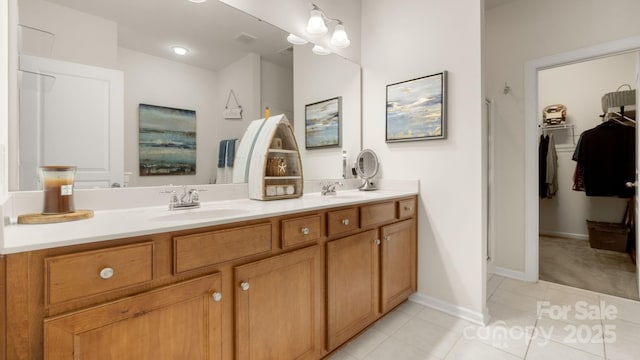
239, 279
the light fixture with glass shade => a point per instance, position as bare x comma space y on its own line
320, 50
296, 40
316, 24
339, 38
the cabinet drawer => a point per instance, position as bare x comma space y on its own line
378, 213
73, 276
213, 247
342, 221
406, 208
300, 230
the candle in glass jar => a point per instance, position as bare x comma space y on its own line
57, 185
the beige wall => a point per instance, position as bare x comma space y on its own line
316, 79
147, 80
515, 33
406, 39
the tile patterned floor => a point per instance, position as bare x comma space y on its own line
563, 329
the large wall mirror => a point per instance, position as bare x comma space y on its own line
128, 44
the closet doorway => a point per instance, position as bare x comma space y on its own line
587, 241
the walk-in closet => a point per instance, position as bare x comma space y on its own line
587, 166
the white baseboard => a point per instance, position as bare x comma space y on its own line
517, 275
564, 235
451, 309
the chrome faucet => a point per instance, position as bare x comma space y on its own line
190, 199
329, 188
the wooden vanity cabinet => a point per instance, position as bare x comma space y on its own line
371, 272
181, 321
352, 285
398, 263
279, 306
295, 286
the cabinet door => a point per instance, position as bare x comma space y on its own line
279, 306
398, 262
181, 321
351, 285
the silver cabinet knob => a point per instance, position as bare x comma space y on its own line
216, 296
387, 238
408, 208
630, 184
244, 286
376, 241
106, 273
305, 231
345, 221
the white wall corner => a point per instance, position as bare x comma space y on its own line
480, 318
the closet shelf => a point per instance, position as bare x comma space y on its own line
570, 127
557, 127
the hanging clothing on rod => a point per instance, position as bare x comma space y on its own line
605, 157
548, 167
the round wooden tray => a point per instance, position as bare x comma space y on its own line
38, 218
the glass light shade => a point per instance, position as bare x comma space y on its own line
296, 40
339, 38
316, 25
319, 50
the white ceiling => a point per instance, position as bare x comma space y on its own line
208, 30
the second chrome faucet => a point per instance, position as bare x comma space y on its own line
189, 199
329, 188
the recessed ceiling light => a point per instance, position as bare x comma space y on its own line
180, 50
198, 1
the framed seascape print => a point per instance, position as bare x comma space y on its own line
322, 123
416, 109
167, 141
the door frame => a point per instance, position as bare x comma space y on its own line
532, 67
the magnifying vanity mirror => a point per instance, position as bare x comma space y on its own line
367, 167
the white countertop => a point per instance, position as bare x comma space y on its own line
114, 224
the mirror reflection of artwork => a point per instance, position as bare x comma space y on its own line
167, 141
322, 123
416, 109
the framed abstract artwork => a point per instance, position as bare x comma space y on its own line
322, 123
167, 141
416, 109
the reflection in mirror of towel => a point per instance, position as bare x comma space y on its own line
226, 155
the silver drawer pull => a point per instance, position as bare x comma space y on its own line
387, 238
305, 231
244, 286
408, 208
376, 241
216, 296
345, 221
106, 273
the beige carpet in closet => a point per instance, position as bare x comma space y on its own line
575, 263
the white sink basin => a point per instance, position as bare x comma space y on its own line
200, 214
